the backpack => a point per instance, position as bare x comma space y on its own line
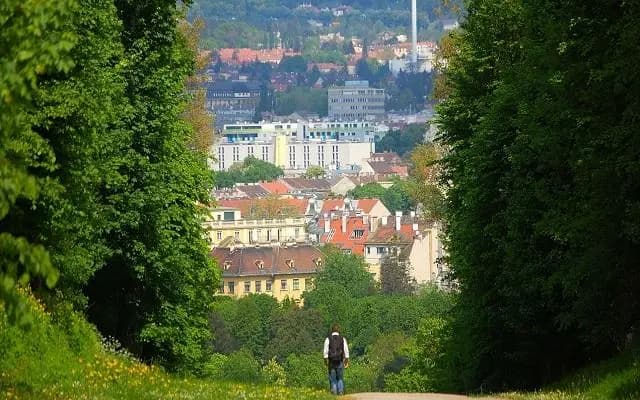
336, 348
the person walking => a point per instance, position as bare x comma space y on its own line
336, 358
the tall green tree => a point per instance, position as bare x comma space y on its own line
540, 125
35, 42
155, 291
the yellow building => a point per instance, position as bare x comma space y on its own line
258, 221
284, 272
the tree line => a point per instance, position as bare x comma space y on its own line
388, 326
101, 176
541, 161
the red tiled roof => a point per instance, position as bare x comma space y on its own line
401, 170
265, 261
275, 187
366, 205
388, 233
346, 240
332, 204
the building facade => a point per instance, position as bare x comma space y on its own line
232, 101
294, 146
355, 100
233, 222
284, 272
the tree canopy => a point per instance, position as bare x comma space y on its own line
101, 175
250, 170
540, 133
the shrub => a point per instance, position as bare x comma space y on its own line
274, 373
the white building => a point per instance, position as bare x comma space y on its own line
355, 100
294, 146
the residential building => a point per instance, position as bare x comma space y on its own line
418, 240
355, 100
347, 223
258, 221
284, 272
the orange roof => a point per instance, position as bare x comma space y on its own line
366, 205
401, 170
246, 55
275, 187
332, 204
388, 233
346, 240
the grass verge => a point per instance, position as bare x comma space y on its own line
614, 379
62, 357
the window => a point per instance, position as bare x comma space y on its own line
357, 233
236, 153
251, 240
368, 250
292, 156
380, 250
308, 284
297, 232
296, 284
269, 235
268, 285
236, 235
283, 284
219, 235
258, 286
231, 287
250, 150
229, 216
247, 286
265, 153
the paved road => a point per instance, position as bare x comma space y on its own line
411, 396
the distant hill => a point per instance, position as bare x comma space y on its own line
255, 23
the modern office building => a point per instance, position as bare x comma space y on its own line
294, 146
232, 101
355, 101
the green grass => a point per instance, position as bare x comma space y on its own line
614, 379
62, 357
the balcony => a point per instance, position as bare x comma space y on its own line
257, 223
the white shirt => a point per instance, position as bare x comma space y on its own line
325, 351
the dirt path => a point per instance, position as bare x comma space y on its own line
411, 396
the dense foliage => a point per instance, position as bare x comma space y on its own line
396, 197
250, 170
100, 175
63, 357
543, 208
385, 332
255, 22
402, 141
302, 99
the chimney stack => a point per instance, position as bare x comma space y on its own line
327, 223
398, 219
344, 222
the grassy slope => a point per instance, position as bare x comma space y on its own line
615, 379
61, 357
